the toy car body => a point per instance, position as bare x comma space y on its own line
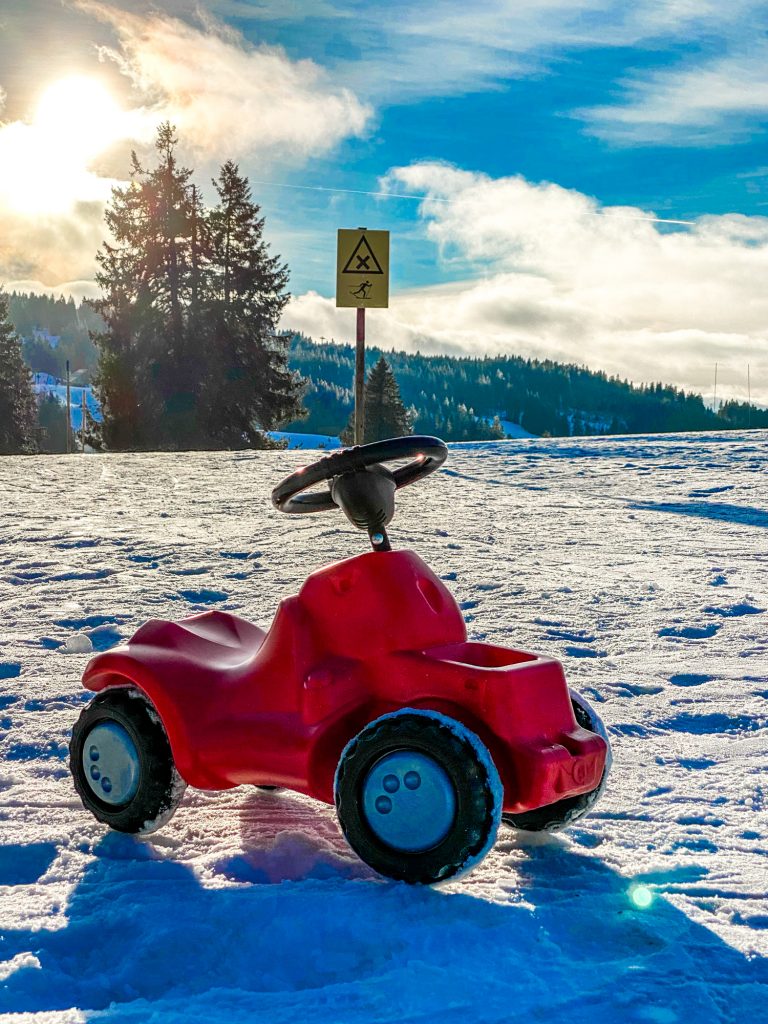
362, 638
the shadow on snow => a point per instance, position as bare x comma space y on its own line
744, 514
310, 933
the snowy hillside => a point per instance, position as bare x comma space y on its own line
642, 562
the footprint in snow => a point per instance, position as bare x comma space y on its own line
691, 632
717, 723
705, 491
690, 679
83, 574
24, 865
58, 703
10, 669
574, 636
19, 578
203, 596
623, 689
52, 750
87, 622
104, 638
736, 610
695, 764
584, 652
695, 844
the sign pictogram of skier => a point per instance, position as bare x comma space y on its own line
363, 260
361, 292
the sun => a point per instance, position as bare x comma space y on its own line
79, 108
45, 165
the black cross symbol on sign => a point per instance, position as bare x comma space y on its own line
359, 261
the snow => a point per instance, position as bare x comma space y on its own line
641, 562
295, 439
514, 429
44, 384
509, 427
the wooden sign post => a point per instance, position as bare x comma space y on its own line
362, 282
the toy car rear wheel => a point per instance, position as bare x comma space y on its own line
418, 796
557, 816
121, 762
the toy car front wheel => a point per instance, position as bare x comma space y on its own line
418, 796
121, 763
554, 817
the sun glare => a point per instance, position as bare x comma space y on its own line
79, 108
45, 165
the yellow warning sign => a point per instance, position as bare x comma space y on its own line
362, 268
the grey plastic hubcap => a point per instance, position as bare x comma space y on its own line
409, 801
111, 763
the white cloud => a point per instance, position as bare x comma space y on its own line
77, 290
552, 274
227, 97
58, 247
714, 102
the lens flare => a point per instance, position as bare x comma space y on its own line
640, 896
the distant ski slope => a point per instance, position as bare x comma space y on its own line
642, 562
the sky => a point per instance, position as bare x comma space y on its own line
584, 181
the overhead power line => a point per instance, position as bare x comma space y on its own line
439, 199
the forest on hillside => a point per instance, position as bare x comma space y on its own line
54, 330
455, 398
458, 397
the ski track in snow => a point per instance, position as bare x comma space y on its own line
642, 562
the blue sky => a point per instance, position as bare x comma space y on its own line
526, 111
541, 137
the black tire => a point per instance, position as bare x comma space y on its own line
557, 816
159, 787
470, 771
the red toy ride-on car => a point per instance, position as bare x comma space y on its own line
365, 692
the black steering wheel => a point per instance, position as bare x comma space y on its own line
427, 455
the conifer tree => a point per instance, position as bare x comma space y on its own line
53, 422
385, 414
18, 409
144, 378
250, 387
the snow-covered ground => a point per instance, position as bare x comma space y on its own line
642, 562
295, 439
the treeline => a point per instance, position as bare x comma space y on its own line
455, 398
54, 331
458, 397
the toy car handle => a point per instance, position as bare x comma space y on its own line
427, 455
